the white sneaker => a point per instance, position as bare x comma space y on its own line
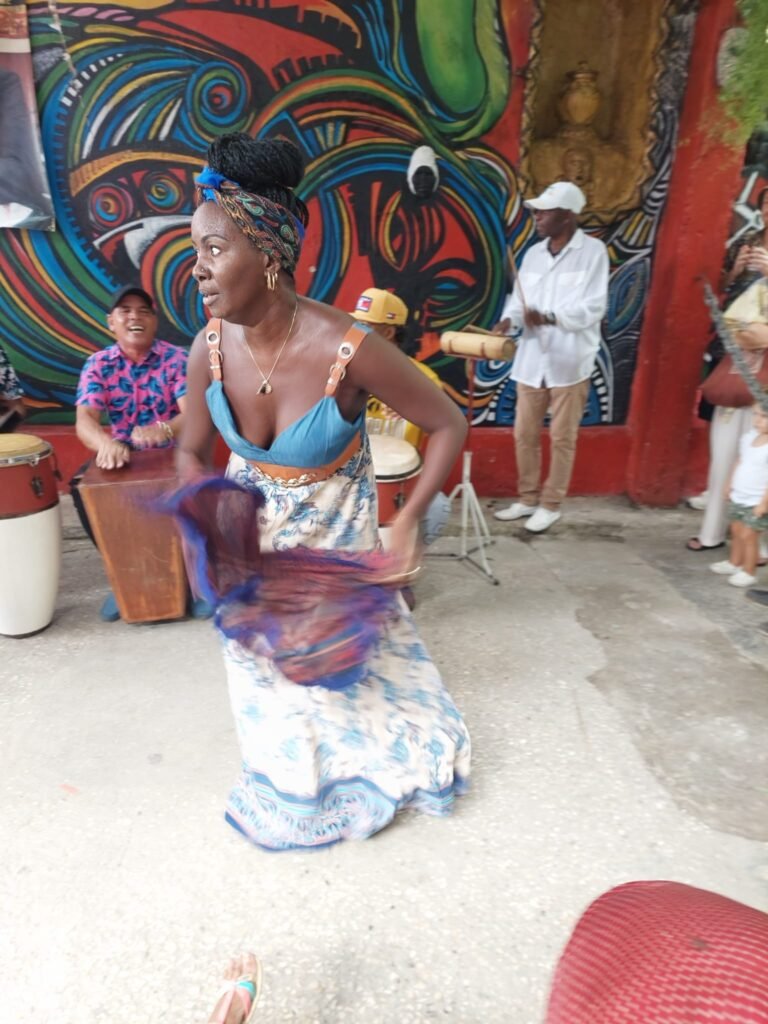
742, 579
698, 501
542, 519
725, 568
517, 510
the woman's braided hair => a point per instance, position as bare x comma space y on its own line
272, 168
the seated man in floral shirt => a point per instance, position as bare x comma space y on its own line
138, 385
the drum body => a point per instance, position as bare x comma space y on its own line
397, 466
141, 549
30, 534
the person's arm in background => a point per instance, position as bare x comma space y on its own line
198, 436
379, 368
163, 432
754, 337
735, 266
761, 509
11, 395
156, 435
110, 454
91, 403
734, 467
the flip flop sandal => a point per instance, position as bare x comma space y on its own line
247, 988
694, 544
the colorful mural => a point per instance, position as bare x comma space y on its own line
131, 93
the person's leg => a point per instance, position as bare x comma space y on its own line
749, 547
732, 564
737, 544
532, 404
566, 411
743, 553
727, 427
238, 997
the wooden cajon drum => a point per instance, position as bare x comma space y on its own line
141, 548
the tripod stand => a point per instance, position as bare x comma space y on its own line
470, 505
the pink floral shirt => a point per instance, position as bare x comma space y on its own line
134, 394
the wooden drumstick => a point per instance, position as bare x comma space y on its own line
474, 329
516, 279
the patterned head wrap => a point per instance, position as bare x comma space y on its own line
269, 226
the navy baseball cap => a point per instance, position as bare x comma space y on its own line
131, 289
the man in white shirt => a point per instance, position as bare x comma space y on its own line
559, 300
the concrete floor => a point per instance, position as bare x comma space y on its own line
615, 691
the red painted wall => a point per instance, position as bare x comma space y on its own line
705, 179
601, 459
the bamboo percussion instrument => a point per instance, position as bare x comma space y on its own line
477, 346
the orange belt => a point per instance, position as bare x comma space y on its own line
297, 476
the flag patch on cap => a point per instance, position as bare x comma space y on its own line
364, 303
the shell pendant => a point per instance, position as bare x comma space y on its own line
265, 389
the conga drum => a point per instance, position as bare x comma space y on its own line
396, 465
140, 547
30, 534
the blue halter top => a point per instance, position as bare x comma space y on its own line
315, 439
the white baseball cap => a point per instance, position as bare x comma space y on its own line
562, 195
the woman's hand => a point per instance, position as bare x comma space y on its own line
405, 546
189, 467
761, 510
112, 454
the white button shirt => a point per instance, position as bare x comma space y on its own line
574, 286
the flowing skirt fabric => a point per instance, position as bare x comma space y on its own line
318, 765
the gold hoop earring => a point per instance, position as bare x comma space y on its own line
271, 276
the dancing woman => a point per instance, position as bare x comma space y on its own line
285, 380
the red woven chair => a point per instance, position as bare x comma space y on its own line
663, 953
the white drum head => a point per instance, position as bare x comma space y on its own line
17, 449
393, 458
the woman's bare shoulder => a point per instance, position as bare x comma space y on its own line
326, 324
321, 312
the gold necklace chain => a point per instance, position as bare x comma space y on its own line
266, 388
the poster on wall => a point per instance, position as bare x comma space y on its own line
25, 197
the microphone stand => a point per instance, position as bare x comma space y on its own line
470, 505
